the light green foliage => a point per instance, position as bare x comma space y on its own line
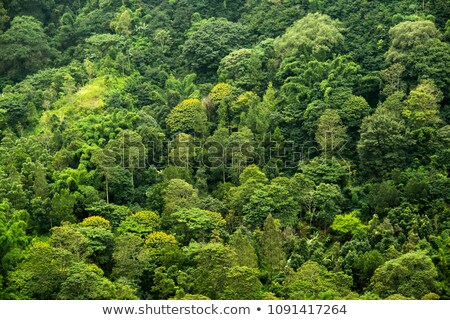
213, 261
242, 283
314, 35
272, 256
244, 246
195, 224
212, 149
122, 22
62, 208
348, 224
179, 194
86, 282
140, 223
331, 134
408, 35
422, 105
412, 275
313, 281
392, 78
188, 117
129, 257
163, 38
252, 174
321, 203
40, 276
241, 68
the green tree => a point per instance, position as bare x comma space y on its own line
100, 242
195, 224
25, 48
42, 273
242, 68
417, 45
13, 239
164, 287
4, 18
140, 223
276, 199
384, 143
63, 204
313, 281
213, 263
122, 23
129, 257
251, 179
179, 195
40, 185
315, 35
188, 117
242, 283
321, 203
66, 237
272, 256
412, 275
86, 282
442, 254
348, 224
164, 38
422, 105
210, 41
129, 152
331, 134
353, 111
408, 35
18, 110
244, 246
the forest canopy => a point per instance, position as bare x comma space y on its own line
248, 149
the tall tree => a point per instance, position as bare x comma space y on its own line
315, 35
210, 41
25, 48
272, 256
411, 275
331, 135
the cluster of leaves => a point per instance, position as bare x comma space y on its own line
224, 149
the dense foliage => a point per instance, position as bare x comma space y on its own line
248, 149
